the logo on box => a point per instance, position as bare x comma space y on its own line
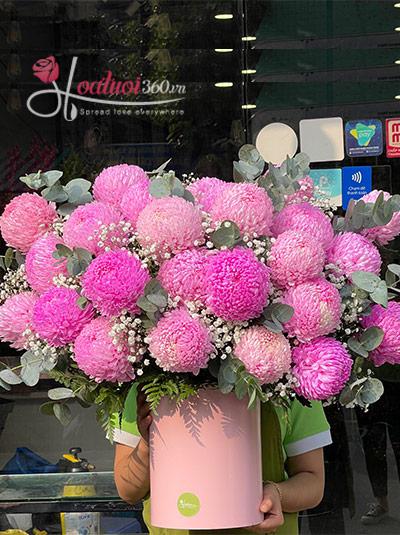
393, 138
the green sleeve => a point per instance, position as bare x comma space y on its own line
125, 428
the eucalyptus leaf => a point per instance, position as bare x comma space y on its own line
380, 294
9, 257
2, 263
279, 312
55, 194
160, 169
371, 391
34, 181
228, 235
60, 393
249, 153
10, 377
158, 299
272, 326
365, 280
51, 177
63, 413
240, 388
394, 268
356, 347
4, 385
146, 305
228, 373
188, 196
63, 250
372, 338
66, 209
252, 399
47, 408
30, 374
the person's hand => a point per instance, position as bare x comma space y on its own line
143, 416
271, 506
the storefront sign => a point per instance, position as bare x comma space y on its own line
364, 138
328, 184
393, 138
356, 182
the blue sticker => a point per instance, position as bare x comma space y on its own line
328, 184
364, 137
356, 182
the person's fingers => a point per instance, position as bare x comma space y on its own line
271, 523
266, 505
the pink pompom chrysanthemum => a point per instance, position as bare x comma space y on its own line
265, 354
247, 205
184, 275
304, 194
317, 309
294, 258
322, 368
180, 343
169, 225
133, 201
41, 267
114, 281
98, 357
383, 234
16, 318
350, 252
111, 184
305, 218
57, 318
237, 285
207, 190
83, 227
388, 319
25, 219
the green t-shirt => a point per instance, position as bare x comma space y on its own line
302, 430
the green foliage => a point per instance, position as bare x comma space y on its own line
172, 386
275, 315
250, 165
167, 185
153, 301
362, 392
372, 285
228, 235
78, 259
11, 260
369, 340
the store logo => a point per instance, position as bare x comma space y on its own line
188, 504
392, 138
357, 177
48, 71
363, 133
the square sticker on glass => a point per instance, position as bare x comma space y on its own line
356, 182
328, 185
364, 138
322, 139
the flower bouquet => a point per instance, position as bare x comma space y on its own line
213, 295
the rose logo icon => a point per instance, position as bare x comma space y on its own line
46, 69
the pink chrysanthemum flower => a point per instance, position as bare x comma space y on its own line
98, 357
294, 258
180, 343
111, 184
184, 275
83, 227
170, 225
41, 267
133, 201
388, 319
57, 318
304, 194
317, 309
385, 233
265, 354
114, 281
305, 218
207, 190
237, 285
351, 252
25, 219
322, 367
247, 205
16, 317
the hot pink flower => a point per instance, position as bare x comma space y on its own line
352, 252
41, 267
317, 309
322, 368
98, 357
294, 258
111, 184
207, 190
388, 319
180, 343
385, 233
57, 318
247, 205
265, 354
134, 200
237, 285
184, 275
16, 317
305, 218
25, 219
114, 281
170, 225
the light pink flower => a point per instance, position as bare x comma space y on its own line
383, 234
111, 184
352, 252
305, 218
304, 194
134, 200
388, 319
25, 219
247, 205
322, 367
184, 275
57, 318
294, 258
265, 354
114, 281
237, 284
41, 267
98, 357
16, 317
207, 190
170, 225
180, 343
317, 309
